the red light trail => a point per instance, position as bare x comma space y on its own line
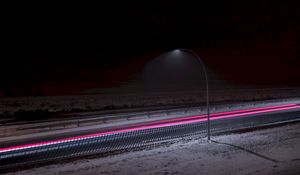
161, 124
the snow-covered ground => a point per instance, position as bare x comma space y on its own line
108, 102
269, 151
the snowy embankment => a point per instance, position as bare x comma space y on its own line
80, 121
52, 104
269, 151
30, 115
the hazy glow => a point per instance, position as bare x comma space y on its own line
176, 51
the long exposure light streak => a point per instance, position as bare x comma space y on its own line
161, 124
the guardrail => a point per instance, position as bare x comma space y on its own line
103, 120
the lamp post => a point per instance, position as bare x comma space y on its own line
206, 81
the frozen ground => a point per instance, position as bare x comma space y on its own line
269, 151
107, 102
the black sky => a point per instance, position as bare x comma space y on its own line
57, 42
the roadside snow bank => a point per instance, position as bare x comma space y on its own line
12, 106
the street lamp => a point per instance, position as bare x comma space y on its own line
206, 81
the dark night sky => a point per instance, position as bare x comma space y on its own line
71, 43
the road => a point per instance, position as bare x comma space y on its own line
140, 134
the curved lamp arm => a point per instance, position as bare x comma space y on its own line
206, 80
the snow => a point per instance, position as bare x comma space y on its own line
108, 102
268, 151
